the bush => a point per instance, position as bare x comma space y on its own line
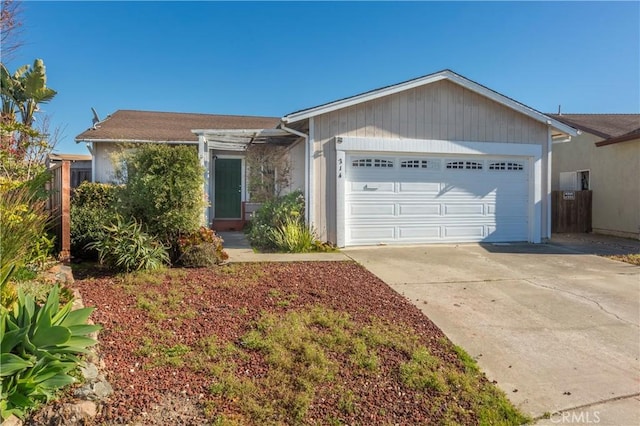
125, 247
23, 218
92, 207
293, 237
202, 248
164, 190
272, 215
40, 344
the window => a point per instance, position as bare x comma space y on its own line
429, 164
506, 165
463, 164
372, 162
583, 180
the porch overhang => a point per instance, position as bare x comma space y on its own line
241, 139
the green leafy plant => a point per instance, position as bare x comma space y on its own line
273, 214
92, 207
202, 248
41, 251
39, 345
293, 237
164, 190
126, 247
23, 218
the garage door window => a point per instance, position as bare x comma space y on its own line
428, 164
464, 165
372, 162
506, 165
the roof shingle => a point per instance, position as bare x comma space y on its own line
168, 126
606, 126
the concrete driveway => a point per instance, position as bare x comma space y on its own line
557, 329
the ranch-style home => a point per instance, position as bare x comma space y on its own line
439, 158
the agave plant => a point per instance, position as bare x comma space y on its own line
39, 346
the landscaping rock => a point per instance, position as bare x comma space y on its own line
84, 409
12, 421
59, 273
102, 389
89, 371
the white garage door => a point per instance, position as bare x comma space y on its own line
428, 198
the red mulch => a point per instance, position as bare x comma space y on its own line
227, 301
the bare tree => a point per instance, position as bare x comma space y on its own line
10, 28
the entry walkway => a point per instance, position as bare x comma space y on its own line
239, 250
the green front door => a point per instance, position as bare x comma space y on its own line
228, 188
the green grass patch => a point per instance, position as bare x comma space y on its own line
161, 355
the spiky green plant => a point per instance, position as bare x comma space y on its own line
293, 236
126, 247
39, 346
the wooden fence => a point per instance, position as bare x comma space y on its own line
59, 206
571, 211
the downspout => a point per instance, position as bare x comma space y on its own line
307, 170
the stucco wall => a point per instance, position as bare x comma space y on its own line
614, 173
572, 156
441, 110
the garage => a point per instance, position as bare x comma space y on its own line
431, 198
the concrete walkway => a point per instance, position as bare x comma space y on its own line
239, 250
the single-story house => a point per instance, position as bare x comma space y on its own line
604, 158
439, 158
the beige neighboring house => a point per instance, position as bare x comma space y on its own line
436, 159
604, 158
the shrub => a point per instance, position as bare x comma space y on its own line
23, 218
125, 247
293, 237
164, 190
274, 214
92, 207
202, 248
39, 347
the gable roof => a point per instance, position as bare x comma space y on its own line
613, 128
154, 126
424, 80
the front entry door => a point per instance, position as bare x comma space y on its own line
228, 188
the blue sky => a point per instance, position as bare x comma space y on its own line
274, 58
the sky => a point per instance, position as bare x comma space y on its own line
271, 59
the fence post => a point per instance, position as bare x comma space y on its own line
65, 212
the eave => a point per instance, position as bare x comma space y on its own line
432, 78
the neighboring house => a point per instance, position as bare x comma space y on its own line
80, 166
604, 158
436, 159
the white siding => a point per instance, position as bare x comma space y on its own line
103, 153
296, 161
441, 110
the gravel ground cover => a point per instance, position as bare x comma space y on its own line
287, 343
